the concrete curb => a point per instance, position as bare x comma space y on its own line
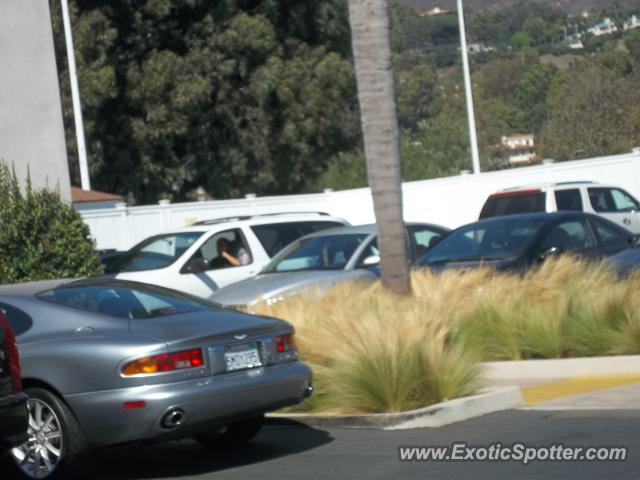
514, 370
487, 401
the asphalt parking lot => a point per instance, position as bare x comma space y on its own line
290, 450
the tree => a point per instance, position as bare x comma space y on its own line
235, 96
369, 21
591, 113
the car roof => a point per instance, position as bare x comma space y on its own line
29, 289
541, 216
549, 186
260, 219
368, 229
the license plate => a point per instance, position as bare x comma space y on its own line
241, 359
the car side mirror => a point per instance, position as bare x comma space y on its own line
371, 260
634, 241
553, 251
195, 265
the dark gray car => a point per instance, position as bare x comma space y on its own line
107, 362
321, 260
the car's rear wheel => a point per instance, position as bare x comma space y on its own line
233, 434
56, 447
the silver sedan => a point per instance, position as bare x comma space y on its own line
108, 362
321, 260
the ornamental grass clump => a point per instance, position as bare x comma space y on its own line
373, 351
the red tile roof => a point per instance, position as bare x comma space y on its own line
79, 196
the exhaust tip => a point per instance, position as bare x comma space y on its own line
308, 391
173, 419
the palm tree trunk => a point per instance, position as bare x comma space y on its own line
369, 21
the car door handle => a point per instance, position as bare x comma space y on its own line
626, 221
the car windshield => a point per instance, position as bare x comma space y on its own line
125, 299
496, 240
155, 252
326, 252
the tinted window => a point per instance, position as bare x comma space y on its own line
611, 200
423, 238
573, 235
121, 300
610, 237
20, 321
569, 200
512, 203
329, 252
496, 240
275, 236
231, 242
155, 252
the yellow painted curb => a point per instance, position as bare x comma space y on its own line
574, 386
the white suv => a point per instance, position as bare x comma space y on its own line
608, 201
209, 255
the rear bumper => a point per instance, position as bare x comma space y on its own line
204, 402
14, 420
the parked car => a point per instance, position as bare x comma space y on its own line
107, 361
628, 261
519, 242
610, 202
191, 259
13, 403
321, 260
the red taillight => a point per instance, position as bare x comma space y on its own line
165, 362
134, 405
284, 343
12, 353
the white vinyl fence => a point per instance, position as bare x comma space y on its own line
450, 201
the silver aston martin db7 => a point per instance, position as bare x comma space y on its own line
108, 362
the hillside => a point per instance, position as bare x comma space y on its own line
570, 6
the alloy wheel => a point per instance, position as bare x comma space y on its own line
39, 456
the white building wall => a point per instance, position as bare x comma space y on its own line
450, 201
31, 129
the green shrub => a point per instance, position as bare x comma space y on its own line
41, 236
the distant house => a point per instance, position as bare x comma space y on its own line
605, 26
519, 148
631, 23
92, 199
434, 11
574, 41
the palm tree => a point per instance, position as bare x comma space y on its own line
369, 21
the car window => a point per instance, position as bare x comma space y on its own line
423, 238
155, 252
20, 321
510, 203
569, 199
122, 300
495, 240
326, 252
572, 235
611, 200
275, 236
610, 237
215, 251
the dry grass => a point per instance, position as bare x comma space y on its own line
373, 351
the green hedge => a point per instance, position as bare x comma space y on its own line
41, 236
